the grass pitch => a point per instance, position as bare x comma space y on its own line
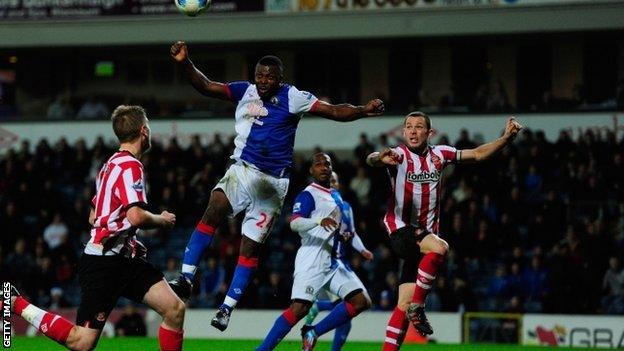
140, 344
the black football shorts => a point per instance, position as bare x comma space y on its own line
103, 279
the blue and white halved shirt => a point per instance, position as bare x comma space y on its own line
266, 128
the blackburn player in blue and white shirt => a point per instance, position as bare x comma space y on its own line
317, 217
267, 114
348, 240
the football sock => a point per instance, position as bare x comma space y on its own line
170, 340
342, 313
51, 325
283, 324
395, 331
340, 336
242, 275
427, 270
199, 241
325, 305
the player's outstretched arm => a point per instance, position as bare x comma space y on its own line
358, 245
348, 112
387, 157
143, 219
485, 151
92, 216
201, 83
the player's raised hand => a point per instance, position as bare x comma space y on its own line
179, 51
390, 157
367, 255
169, 218
512, 128
329, 224
374, 108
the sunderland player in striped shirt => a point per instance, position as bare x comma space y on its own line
113, 263
266, 118
413, 214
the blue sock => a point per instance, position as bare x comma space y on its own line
283, 324
242, 275
199, 241
342, 313
340, 336
325, 305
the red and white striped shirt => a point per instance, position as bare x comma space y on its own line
119, 186
416, 185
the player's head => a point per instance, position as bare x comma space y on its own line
334, 181
130, 125
321, 168
416, 129
268, 76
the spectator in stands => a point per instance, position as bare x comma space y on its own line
498, 289
364, 148
276, 294
93, 109
497, 100
171, 272
213, 277
60, 108
57, 299
56, 233
535, 284
131, 323
361, 186
613, 287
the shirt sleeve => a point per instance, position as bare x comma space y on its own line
449, 154
304, 205
349, 212
236, 90
131, 186
300, 101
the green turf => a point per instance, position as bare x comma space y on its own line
132, 344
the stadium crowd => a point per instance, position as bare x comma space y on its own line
539, 228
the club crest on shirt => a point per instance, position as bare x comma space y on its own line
437, 162
138, 185
275, 100
101, 317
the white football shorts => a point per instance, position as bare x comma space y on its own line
260, 195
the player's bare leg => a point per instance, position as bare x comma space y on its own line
434, 249
218, 207
247, 265
161, 298
53, 326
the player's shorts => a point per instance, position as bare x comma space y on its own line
408, 268
259, 194
339, 281
327, 295
103, 279
404, 244
404, 241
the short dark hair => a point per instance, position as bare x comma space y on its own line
271, 60
127, 122
418, 114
